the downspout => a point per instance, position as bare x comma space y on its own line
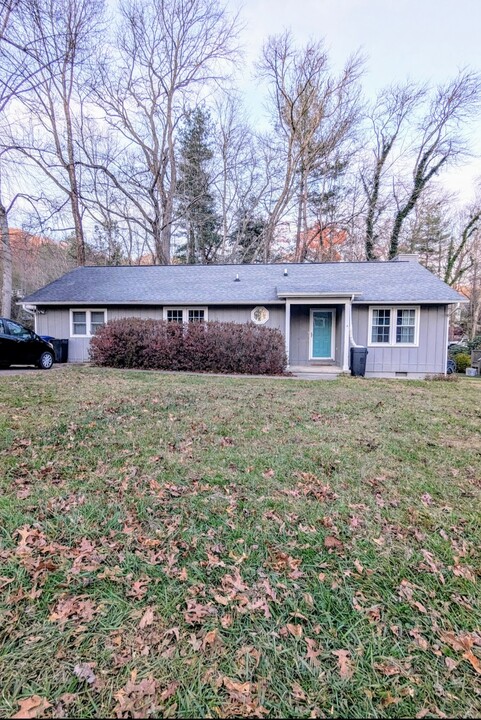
352, 342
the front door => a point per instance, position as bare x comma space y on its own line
322, 334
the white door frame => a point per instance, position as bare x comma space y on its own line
311, 333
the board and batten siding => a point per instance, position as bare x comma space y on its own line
430, 355
300, 334
242, 314
56, 321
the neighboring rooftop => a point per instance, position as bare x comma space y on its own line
395, 281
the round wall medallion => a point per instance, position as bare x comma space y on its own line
260, 315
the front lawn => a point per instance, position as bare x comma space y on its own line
194, 546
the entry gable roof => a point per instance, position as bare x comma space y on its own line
370, 282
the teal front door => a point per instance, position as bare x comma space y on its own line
321, 334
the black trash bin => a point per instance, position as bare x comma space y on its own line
358, 361
61, 350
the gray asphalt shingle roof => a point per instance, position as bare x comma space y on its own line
395, 281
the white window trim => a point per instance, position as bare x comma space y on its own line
88, 316
185, 312
392, 330
311, 334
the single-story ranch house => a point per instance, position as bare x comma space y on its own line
397, 309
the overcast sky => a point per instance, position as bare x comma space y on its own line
425, 40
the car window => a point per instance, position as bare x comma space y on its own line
18, 330
2, 328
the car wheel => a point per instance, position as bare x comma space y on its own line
45, 361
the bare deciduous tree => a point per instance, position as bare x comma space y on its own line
313, 113
387, 118
441, 141
169, 52
64, 33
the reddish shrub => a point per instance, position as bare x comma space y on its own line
196, 347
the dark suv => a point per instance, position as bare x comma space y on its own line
20, 346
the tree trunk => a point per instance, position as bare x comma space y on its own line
77, 217
6, 263
67, 83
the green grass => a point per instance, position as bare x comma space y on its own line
175, 545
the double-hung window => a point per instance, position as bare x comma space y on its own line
85, 323
185, 315
381, 325
406, 326
394, 326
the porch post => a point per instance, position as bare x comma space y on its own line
287, 332
347, 335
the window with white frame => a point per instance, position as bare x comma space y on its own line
406, 326
85, 323
185, 315
381, 325
196, 316
394, 326
176, 316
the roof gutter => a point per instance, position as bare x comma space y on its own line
147, 303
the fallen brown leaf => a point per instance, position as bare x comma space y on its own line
237, 689
344, 662
169, 691
387, 668
295, 630
32, 707
471, 658
297, 692
459, 643
84, 672
210, 638
332, 543
147, 618
312, 653
390, 700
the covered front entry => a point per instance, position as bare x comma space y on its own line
318, 333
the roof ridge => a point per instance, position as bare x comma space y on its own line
250, 265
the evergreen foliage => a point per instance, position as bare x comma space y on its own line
196, 205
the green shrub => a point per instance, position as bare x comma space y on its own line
475, 343
463, 361
456, 350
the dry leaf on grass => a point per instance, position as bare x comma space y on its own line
471, 658
332, 543
459, 643
387, 668
32, 707
236, 689
169, 691
344, 662
297, 692
419, 639
210, 638
147, 618
295, 630
312, 652
84, 672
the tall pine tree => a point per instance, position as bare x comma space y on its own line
195, 200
